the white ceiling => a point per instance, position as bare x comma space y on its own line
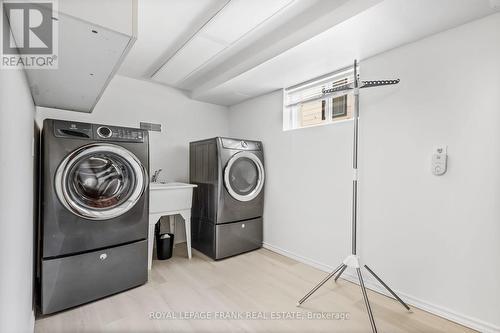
242, 16
163, 27
219, 52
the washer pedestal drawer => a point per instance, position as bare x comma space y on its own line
237, 237
81, 278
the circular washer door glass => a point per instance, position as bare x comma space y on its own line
244, 176
100, 181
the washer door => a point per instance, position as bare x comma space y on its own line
100, 181
244, 176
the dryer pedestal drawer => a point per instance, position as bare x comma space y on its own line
237, 237
78, 279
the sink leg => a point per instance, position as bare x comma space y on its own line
153, 219
171, 220
187, 223
151, 239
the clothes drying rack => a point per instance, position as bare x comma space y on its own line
352, 260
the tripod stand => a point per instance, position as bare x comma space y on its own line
352, 260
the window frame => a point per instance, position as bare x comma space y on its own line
292, 119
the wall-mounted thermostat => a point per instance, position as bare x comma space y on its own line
439, 160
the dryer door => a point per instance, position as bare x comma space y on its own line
100, 181
244, 176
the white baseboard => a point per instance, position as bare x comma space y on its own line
372, 284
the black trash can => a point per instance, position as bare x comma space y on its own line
164, 244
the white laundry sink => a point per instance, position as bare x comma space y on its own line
169, 199
165, 197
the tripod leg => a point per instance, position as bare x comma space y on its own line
367, 302
313, 290
388, 289
340, 273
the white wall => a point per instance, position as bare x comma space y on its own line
435, 239
16, 203
127, 102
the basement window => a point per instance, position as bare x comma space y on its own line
304, 105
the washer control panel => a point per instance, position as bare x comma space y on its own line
76, 130
114, 133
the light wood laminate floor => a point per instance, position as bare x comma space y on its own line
260, 283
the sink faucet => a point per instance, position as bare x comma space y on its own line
156, 174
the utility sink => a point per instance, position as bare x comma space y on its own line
165, 197
169, 199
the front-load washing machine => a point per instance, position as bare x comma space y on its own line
228, 203
94, 212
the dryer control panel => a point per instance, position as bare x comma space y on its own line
240, 144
